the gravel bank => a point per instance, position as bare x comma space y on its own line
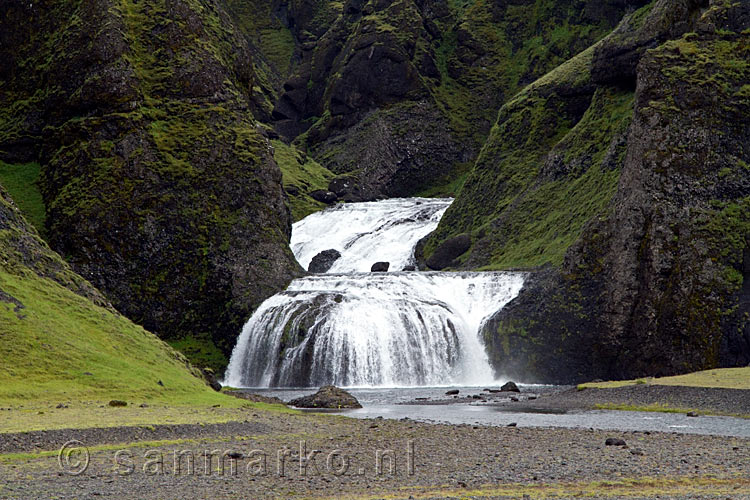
430, 461
710, 400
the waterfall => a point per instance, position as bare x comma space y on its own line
365, 233
354, 328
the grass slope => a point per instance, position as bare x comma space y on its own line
723, 378
21, 182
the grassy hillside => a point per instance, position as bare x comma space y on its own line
66, 352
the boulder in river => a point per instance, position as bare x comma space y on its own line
380, 267
452, 392
327, 397
409, 268
322, 262
510, 387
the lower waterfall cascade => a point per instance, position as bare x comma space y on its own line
354, 328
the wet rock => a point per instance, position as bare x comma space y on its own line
380, 267
452, 392
512, 424
615, 442
409, 268
327, 397
323, 196
693, 414
510, 387
322, 262
448, 252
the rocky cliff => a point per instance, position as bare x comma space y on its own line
397, 98
159, 186
644, 229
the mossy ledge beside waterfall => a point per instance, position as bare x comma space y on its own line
355, 328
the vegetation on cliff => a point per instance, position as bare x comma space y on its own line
657, 284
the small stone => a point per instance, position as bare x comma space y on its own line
636, 451
514, 399
452, 392
692, 414
512, 424
117, 403
615, 442
159, 382
409, 268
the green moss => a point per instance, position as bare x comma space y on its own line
20, 180
545, 171
201, 351
300, 174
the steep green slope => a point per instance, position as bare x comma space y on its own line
159, 185
551, 163
59, 339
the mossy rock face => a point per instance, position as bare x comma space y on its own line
159, 187
400, 96
659, 284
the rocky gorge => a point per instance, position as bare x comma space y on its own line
163, 149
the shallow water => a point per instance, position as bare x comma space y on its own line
384, 402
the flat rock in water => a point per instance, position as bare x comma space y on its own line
452, 392
327, 397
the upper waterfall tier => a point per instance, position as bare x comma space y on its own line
365, 233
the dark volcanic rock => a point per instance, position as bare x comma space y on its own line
409, 268
327, 397
510, 387
615, 442
324, 196
452, 392
380, 267
322, 262
449, 251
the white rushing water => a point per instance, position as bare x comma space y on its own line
371, 329
365, 233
